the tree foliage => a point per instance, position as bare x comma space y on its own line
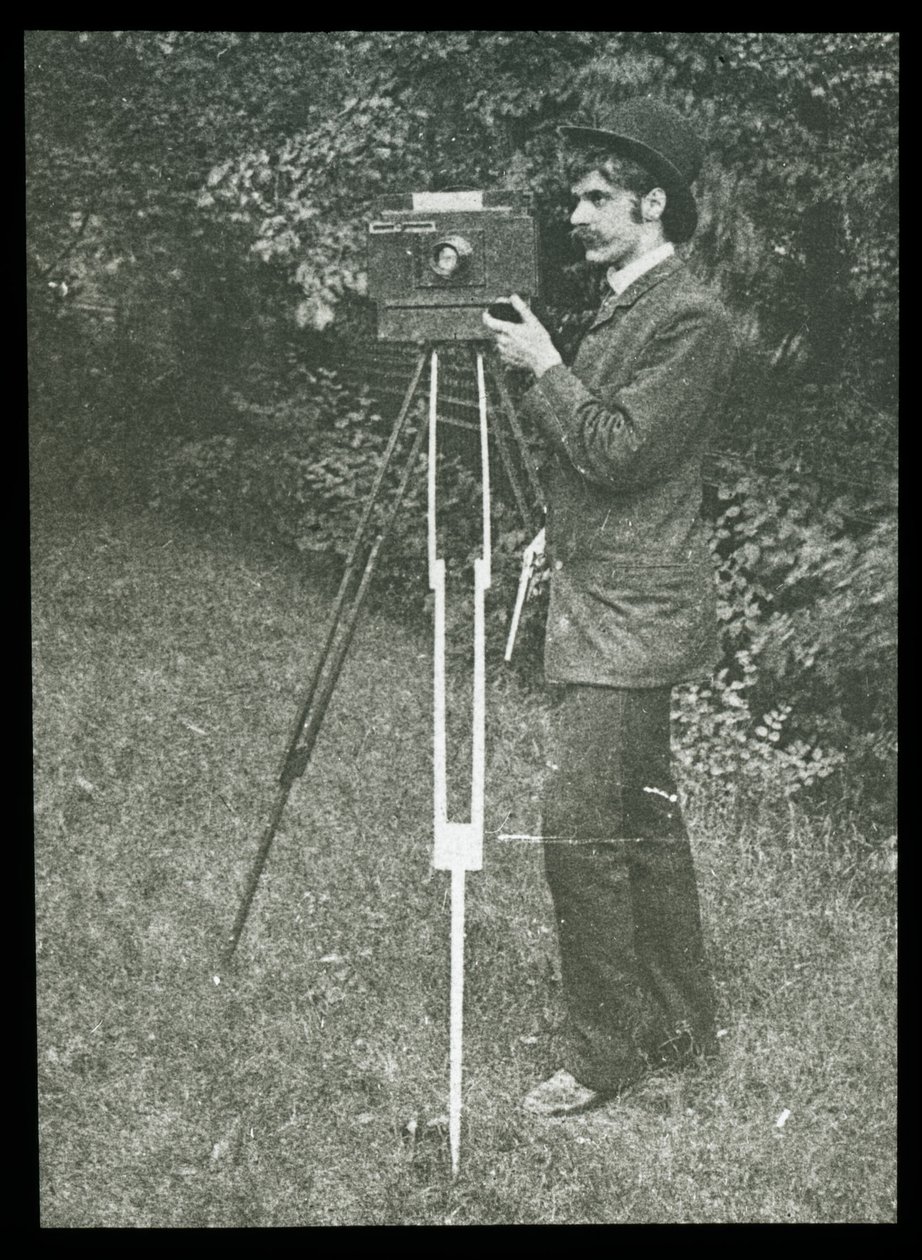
275, 145
214, 189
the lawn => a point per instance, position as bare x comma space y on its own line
305, 1084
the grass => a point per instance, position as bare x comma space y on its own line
297, 1086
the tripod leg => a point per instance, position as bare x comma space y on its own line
299, 754
511, 474
313, 712
458, 847
292, 771
516, 428
456, 1017
351, 563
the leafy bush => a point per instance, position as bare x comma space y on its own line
807, 600
299, 468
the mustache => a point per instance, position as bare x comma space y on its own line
581, 237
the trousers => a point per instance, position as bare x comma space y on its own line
618, 862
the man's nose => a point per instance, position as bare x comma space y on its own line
579, 215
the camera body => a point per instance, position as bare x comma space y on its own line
437, 260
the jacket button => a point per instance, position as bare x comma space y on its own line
558, 564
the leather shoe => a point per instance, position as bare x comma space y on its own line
562, 1095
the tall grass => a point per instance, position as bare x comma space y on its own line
305, 1084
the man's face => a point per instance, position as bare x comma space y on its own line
605, 221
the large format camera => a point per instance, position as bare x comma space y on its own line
436, 260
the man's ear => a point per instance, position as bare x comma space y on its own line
653, 204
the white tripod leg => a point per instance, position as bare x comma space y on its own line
458, 847
456, 1017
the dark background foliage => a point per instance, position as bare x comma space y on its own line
200, 334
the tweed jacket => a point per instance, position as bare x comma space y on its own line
632, 593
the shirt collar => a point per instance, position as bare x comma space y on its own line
620, 279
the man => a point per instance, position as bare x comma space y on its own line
631, 605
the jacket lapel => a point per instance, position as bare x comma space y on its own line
654, 276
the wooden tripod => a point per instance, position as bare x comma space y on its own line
457, 846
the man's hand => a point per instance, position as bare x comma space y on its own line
526, 345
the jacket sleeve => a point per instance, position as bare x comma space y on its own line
632, 434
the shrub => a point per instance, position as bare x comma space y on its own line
807, 600
298, 468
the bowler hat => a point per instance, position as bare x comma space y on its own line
662, 142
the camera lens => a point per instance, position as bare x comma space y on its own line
446, 260
450, 257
